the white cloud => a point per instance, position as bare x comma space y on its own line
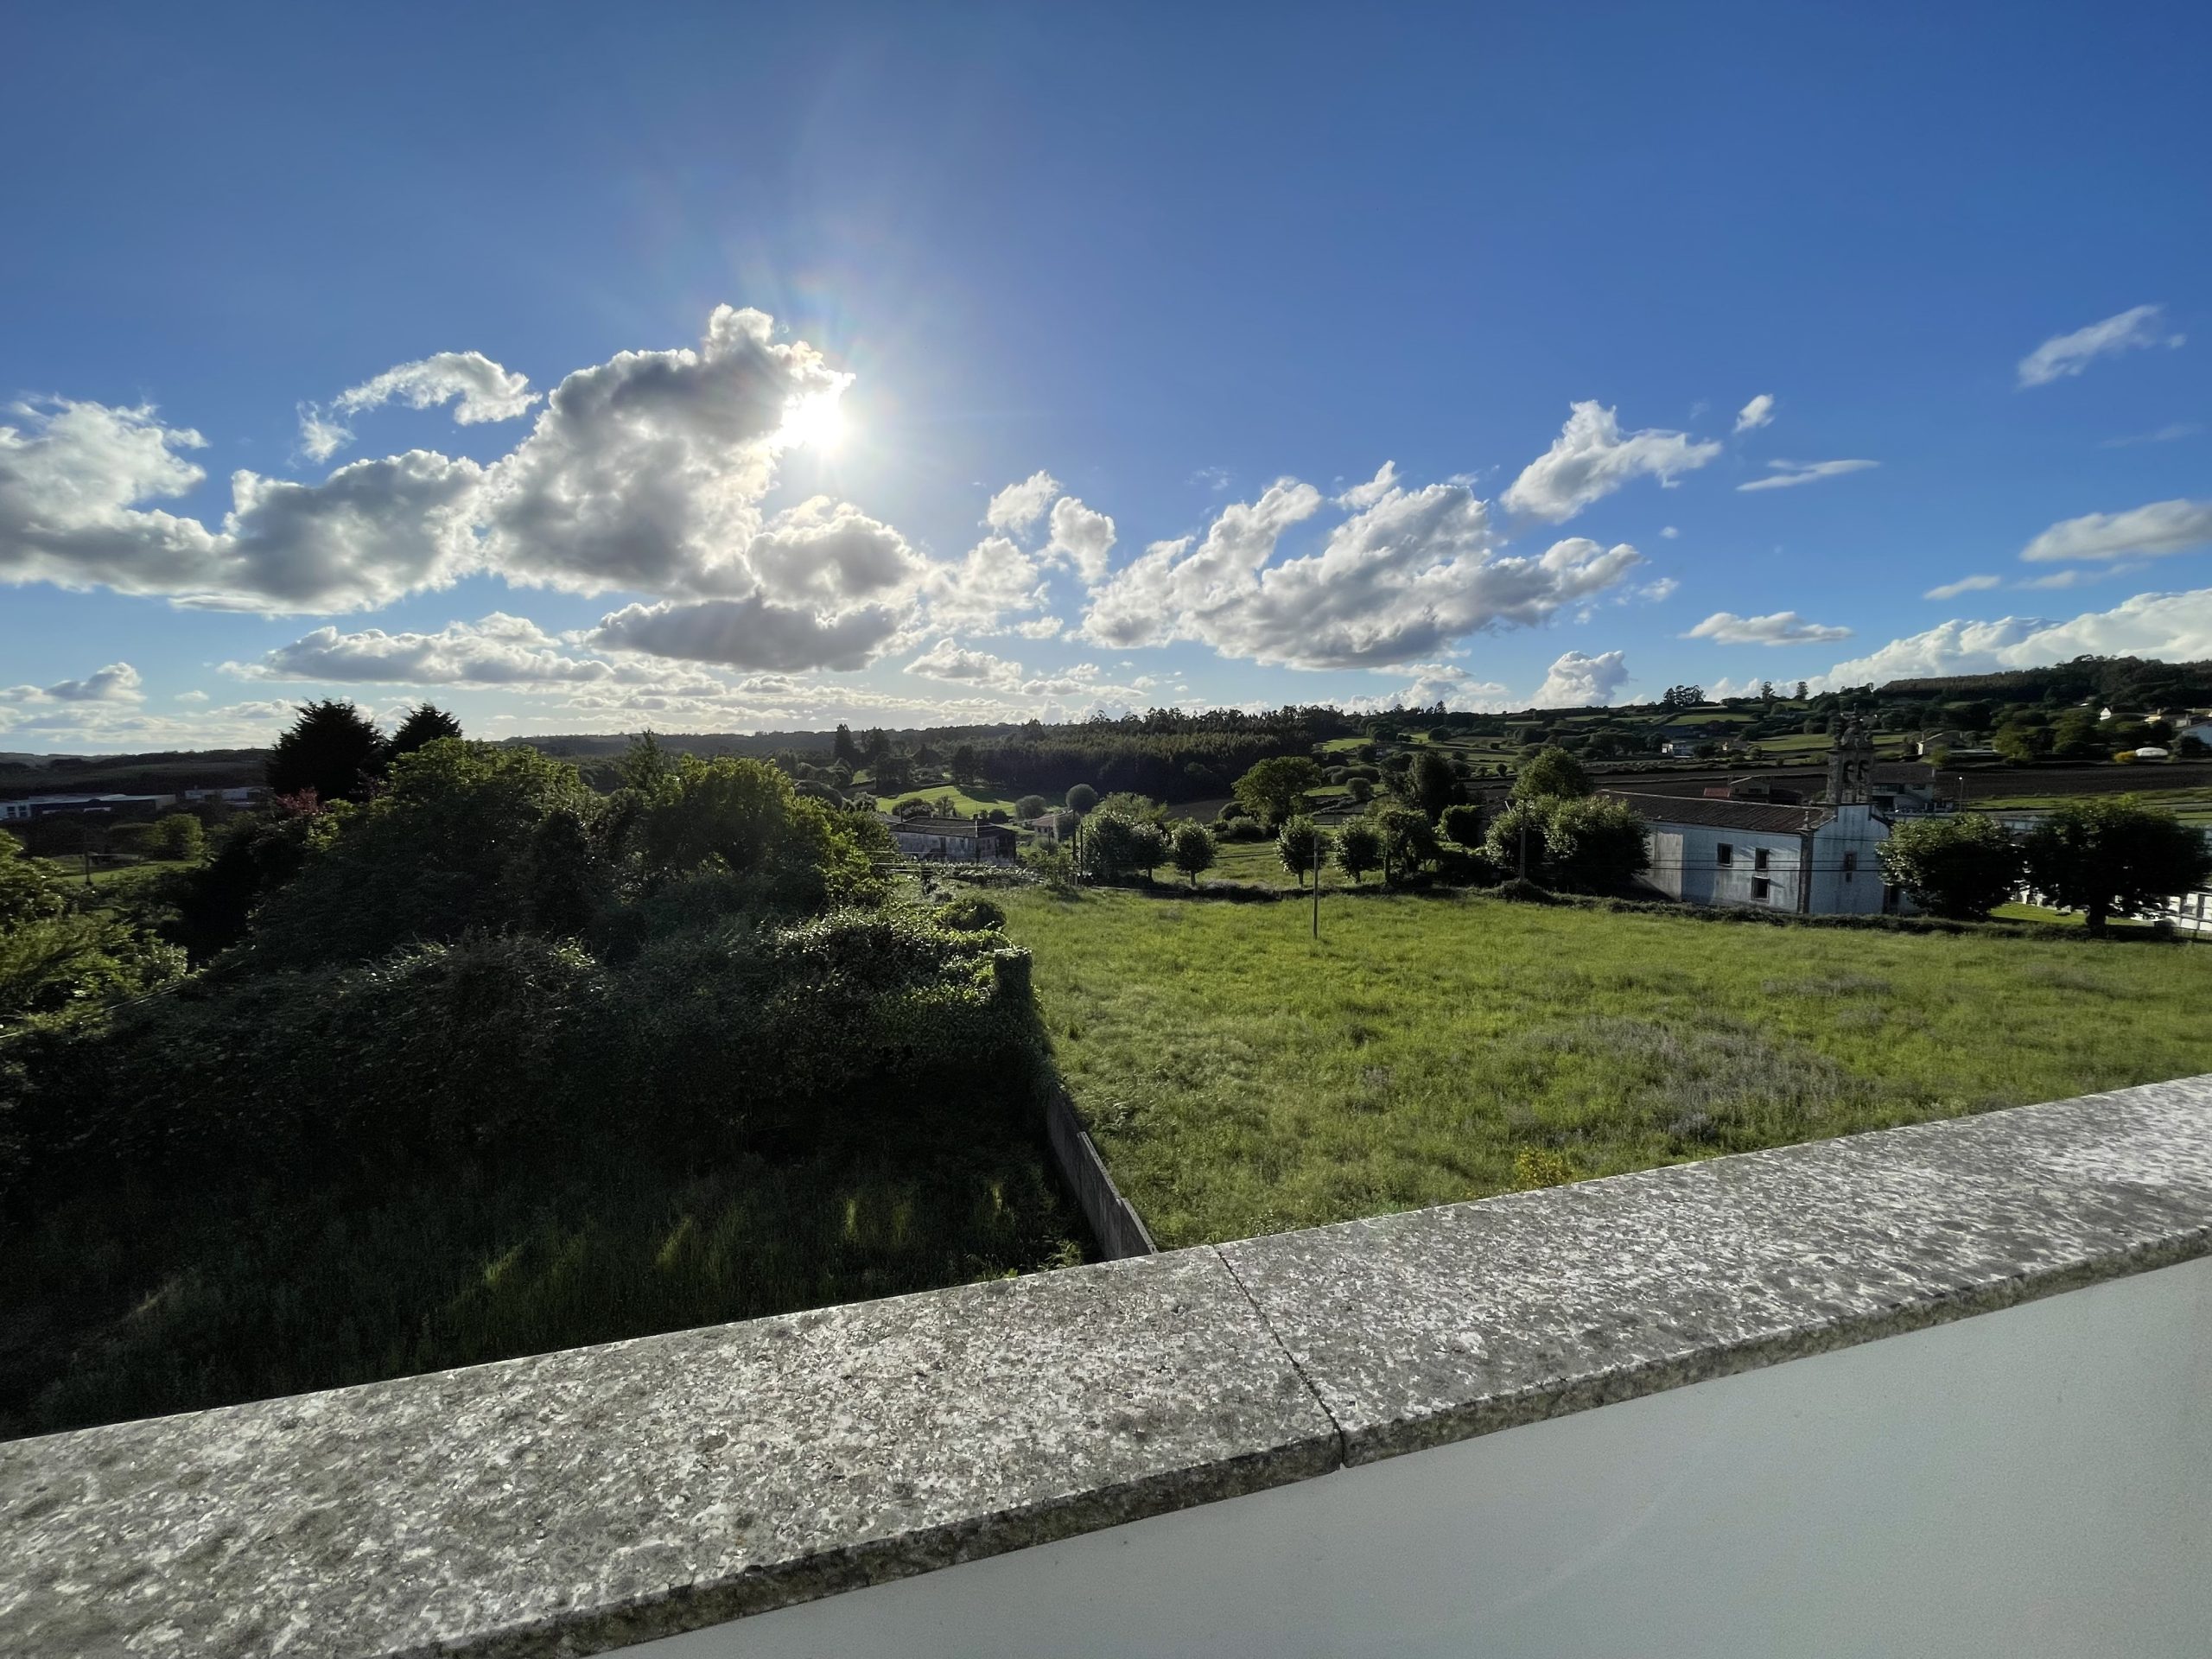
2068, 355
1018, 506
2171, 433
73, 475
1361, 496
754, 633
946, 660
1041, 627
498, 650
2162, 527
192, 696
1436, 683
1579, 682
1214, 478
975, 596
479, 389
1658, 591
2173, 627
1081, 537
1781, 628
1668, 533
1963, 585
646, 472
1757, 413
1397, 580
117, 682
1789, 473
1591, 459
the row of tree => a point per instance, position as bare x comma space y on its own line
2107, 856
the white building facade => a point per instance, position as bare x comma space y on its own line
1814, 860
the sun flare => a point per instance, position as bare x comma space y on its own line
816, 422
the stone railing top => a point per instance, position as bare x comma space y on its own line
579, 1501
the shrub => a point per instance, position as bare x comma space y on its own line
1408, 837
1359, 850
1032, 806
1301, 846
1462, 824
972, 914
1082, 798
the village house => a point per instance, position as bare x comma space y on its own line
1816, 860
954, 841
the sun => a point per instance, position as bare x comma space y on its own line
817, 420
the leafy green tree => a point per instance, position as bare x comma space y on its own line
1962, 866
1516, 838
425, 723
1108, 846
1593, 844
1275, 789
1359, 850
54, 957
2114, 856
1149, 846
964, 767
1462, 824
2020, 743
1299, 844
1082, 798
646, 766
180, 836
331, 748
1432, 785
1552, 774
1032, 806
1408, 839
842, 747
1193, 851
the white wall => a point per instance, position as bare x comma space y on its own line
2032, 1482
1855, 829
1686, 863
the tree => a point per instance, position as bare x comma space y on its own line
844, 748
2114, 856
331, 747
2021, 743
1962, 866
1193, 849
1082, 798
964, 769
890, 774
1431, 785
876, 745
1297, 843
1110, 847
1359, 850
1553, 773
1408, 839
1802, 688
425, 723
1594, 844
1462, 824
1275, 789
1515, 840
1032, 806
180, 836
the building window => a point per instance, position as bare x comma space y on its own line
1758, 858
1850, 865
1760, 886
1727, 855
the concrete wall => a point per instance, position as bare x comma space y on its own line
1853, 833
1686, 864
2033, 1481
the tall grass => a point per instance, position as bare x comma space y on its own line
1242, 1079
137, 1302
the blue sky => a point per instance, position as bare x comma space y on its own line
1209, 271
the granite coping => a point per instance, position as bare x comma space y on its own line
576, 1502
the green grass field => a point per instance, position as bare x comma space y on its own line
1242, 1079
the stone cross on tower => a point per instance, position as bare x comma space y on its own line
1851, 765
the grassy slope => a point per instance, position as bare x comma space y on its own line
1241, 1079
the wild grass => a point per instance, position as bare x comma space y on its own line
1242, 1078
139, 1301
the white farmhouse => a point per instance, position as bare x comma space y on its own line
958, 841
1816, 860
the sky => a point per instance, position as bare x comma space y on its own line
583, 368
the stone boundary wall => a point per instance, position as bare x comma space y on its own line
1121, 1232
576, 1502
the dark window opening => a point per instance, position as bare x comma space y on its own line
1758, 858
1727, 854
1850, 865
1760, 886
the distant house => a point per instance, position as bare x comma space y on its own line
955, 840
32, 807
1815, 860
